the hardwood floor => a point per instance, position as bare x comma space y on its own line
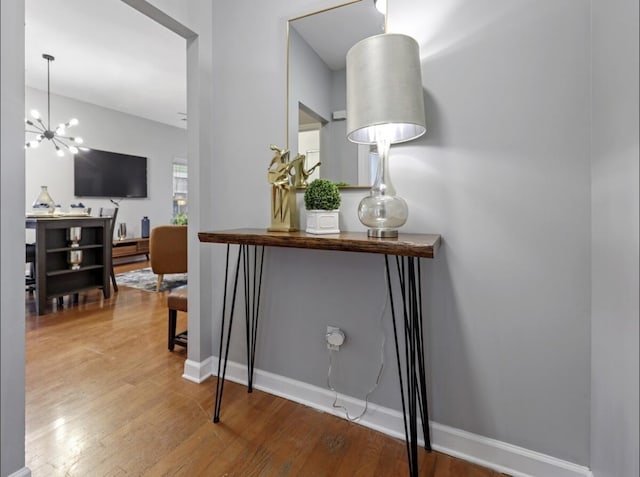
104, 397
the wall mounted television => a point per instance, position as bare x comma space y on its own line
109, 174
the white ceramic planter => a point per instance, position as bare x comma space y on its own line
322, 222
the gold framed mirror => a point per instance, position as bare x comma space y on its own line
317, 44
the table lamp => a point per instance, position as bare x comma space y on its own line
385, 106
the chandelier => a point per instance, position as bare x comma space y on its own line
58, 136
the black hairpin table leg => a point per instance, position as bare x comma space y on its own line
413, 387
252, 259
252, 288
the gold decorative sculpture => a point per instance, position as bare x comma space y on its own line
283, 195
299, 174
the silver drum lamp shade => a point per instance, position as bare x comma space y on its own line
385, 105
384, 86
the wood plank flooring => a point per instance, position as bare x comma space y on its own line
104, 397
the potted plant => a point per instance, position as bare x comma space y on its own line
180, 219
322, 199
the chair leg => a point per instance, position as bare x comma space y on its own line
173, 318
159, 282
113, 279
30, 280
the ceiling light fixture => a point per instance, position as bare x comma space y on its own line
43, 131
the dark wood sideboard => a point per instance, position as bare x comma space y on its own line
54, 276
130, 247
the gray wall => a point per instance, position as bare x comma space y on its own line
12, 410
614, 304
108, 130
503, 173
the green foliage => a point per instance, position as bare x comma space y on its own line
322, 194
180, 219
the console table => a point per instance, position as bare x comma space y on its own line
54, 276
402, 261
130, 247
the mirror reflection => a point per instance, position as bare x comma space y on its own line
316, 116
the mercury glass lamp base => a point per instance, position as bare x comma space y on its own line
382, 233
383, 215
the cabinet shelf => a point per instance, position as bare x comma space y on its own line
67, 249
64, 271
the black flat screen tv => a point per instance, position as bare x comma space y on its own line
109, 174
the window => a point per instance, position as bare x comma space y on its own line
180, 191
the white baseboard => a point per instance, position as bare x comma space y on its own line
497, 455
24, 472
500, 456
198, 371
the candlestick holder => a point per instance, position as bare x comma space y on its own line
74, 258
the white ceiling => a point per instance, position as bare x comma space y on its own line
109, 54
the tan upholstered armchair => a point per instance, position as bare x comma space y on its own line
168, 250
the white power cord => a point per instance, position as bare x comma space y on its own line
335, 404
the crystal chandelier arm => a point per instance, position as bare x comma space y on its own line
33, 143
59, 151
37, 130
44, 128
71, 148
77, 140
59, 142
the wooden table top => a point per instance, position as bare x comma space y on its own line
64, 221
410, 245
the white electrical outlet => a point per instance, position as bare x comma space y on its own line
335, 338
